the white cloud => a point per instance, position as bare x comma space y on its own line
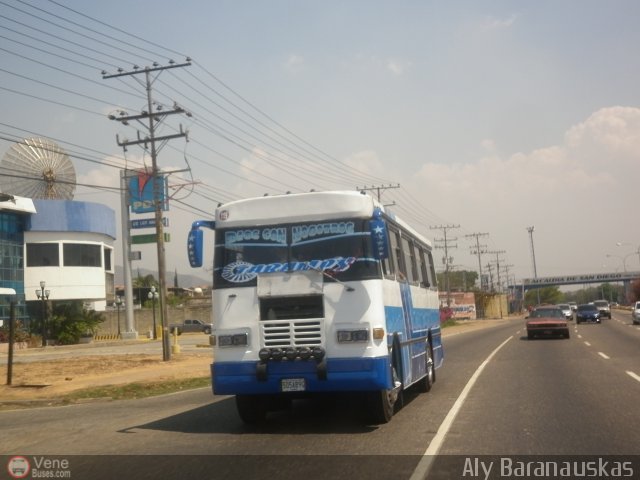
578, 194
493, 23
294, 63
398, 67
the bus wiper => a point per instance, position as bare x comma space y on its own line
326, 274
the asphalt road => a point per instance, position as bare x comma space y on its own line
526, 397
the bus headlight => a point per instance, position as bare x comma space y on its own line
351, 336
233, 340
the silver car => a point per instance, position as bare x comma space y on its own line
603, 307
635, 313
567, 311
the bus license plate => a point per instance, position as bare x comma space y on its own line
293, 385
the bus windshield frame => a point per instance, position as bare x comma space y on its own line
341, 249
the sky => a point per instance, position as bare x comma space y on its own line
486, 117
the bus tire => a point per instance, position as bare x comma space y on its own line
251, 408
382, 403
425, 383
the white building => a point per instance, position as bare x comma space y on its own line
69, 246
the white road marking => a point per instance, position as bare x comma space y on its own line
603, 355
422, 469
587, 344
633, 375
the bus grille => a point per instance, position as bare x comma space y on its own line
296, 333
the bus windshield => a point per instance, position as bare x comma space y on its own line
341, 249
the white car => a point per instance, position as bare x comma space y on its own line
635, 313
566, 310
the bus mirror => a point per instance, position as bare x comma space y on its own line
194, 247
379, 238
195, 242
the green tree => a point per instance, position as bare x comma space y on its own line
635, 290
459, 280
70, 321
551, 295
145, 281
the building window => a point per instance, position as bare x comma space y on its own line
43, 255
108, 252
81, 255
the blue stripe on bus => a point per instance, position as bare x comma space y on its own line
343, 375
412, 323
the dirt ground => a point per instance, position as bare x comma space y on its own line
39, 381
54, 378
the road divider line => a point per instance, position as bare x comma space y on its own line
633, 375
587, 344
606, 357
422, 469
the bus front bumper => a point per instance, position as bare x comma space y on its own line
273, 377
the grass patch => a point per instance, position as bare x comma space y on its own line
448, 323
137, 390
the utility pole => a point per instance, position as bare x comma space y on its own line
497, 254
479, 250
489, 266
447, 260
533, 258
378, 189
499, 285
154, 117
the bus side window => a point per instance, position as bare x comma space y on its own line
424, 276
432, 271
396, 253
409, 260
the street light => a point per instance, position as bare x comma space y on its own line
118, 305
620, 244
43, 295
153, 296
623, 258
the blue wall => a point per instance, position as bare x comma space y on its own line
72, 216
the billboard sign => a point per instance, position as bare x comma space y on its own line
141, 192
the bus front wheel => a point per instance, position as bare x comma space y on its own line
381, 403
251, 408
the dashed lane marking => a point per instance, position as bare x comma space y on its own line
633, 375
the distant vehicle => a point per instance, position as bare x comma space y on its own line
567, 310
635, 313
191, 326
587, 313
547, 321
603, 307
573, 305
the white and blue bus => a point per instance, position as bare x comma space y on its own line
319, 292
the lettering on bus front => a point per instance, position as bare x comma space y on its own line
342, 249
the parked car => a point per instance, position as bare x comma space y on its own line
603, 307
567, 310
587, 312
573, 305
191, 326
635, 313
547, 321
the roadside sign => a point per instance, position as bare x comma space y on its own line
148, 222
148, 238
137, 255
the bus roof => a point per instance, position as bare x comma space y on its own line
295, 207
303, 207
